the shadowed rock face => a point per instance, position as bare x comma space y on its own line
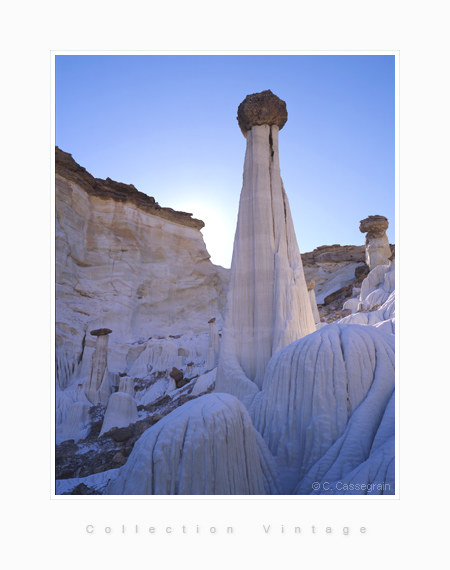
263, 108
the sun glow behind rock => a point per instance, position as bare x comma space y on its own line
218, 232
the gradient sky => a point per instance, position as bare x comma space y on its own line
167, 124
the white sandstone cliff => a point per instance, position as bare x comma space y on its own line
123, 261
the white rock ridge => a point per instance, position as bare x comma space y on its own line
208, 446
314, 386
267, 302
204, 382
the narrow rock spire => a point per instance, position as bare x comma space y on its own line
96, 387
267, 303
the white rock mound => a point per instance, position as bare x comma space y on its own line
208, 446
267, 302
378, 285
382, 317
121, 412
314, 386
378, 288
204, 382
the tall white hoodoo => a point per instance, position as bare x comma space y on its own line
267, 303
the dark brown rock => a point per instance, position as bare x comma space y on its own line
122, 434
176, 374
163, 400
101, 332
263, 108
392, 253
361, 271
119, 458
333, 296
102, 468
376, 225
83, 489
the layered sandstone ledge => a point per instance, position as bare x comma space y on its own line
336, 253
66, 167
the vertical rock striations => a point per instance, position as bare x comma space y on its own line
378, 250
206, 447
267, 303
313, 388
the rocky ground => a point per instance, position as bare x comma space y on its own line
96, 454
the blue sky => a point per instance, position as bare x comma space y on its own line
167, 124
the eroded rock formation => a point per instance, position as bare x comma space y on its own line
206, 447
377, 246
322, 404
267, 302
97, 386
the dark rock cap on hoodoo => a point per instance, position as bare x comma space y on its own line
263, 108
101, 332
374, 224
